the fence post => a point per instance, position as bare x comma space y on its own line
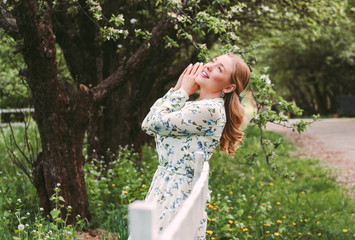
142, 221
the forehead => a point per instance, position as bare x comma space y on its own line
227, 62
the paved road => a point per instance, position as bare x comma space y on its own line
332, 140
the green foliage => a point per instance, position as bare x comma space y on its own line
253, 201
313, 68
245, 200
13, 93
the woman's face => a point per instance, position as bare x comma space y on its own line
216, 74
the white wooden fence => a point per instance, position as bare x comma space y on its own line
143, 215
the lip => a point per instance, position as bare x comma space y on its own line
204, 74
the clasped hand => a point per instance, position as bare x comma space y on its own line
187, 81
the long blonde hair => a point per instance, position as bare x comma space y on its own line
232, 135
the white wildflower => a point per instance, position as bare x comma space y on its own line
21, 227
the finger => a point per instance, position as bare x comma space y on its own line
198, 68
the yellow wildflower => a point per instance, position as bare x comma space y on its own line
245, 229
302, 192
300, 234
213, 219
230, 221
276, 234
209, 232
264, 204
267, 232
278, 203
229, 229
271, 184
113, 185
284, 217
294, 224
319, 234
345, 230
249, 217
252, 178
279, 221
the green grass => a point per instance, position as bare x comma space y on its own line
247, 202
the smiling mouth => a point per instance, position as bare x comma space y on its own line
204, 74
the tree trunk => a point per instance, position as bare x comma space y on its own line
61, 118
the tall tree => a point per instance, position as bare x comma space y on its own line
121, 56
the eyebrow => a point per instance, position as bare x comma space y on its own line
221, 64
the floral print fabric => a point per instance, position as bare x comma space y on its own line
181, 128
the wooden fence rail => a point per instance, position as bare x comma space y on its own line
143, 215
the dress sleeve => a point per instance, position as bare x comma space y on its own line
168, 116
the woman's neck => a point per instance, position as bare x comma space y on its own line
208, 95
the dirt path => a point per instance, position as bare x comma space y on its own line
330, 140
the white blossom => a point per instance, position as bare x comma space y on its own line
21, 227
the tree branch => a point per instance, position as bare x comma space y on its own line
118, 77
8, 23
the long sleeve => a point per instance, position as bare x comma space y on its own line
170, 116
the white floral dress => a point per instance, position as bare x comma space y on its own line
181, 128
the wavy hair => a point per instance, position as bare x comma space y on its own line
232, 135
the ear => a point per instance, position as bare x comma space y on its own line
230, 88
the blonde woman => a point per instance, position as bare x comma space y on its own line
181, 128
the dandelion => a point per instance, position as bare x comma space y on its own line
300, 234
319, 234
209, 219
277, 234
267, 232
229, 229
230, 221
294, 224
279, 221
271, 184
278, 203
264, 204
21, 227
236, 222
212, 238
252, 178
209, 232
245, 229
230, 192
125, 192
213, 219
345, 230
302, 192
249, 217
113, 185
284, 217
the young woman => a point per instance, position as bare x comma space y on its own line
181, 128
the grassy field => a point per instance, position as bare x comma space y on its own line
247, 202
